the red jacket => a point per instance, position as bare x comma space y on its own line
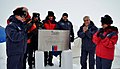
105, 47
49, 25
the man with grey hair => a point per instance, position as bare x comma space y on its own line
86, 32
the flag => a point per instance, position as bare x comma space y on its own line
54, 48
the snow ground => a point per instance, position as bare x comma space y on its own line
76, 57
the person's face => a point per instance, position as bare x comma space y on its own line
21, 18
104, 26
35, 18
51, 18
65, 18
86, 21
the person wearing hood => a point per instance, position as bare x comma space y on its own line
16, 39
86, 32
49, 24
105, 39
12, 16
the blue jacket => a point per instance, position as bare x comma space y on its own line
67, 25
16, 38
87, 43
2, 35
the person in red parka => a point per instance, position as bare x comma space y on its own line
105, 39
49, 24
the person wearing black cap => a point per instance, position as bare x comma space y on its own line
105, 39
49, 24
65, 24
33, 36
16, 39
36, 20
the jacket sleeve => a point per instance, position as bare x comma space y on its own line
96, 39
72, 33
110, 42
80, 33
14, 34
91, 31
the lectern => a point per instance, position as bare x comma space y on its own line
47, 41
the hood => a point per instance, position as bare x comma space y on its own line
111, 28
10, 19
13, 19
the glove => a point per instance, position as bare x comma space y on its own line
111, 34
100, 31
28, 26
72, 39
101, 36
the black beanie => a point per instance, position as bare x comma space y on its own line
106, 20
65, 14
20, 12
50, 13
36, 15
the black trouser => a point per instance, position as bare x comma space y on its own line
102, 63
48, 57
30, 55
15, 62
24, 60
83, 59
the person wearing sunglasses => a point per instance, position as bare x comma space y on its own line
86, 32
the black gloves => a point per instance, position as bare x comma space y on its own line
100, 33
111, 34
101, 36
71, 39
28, 26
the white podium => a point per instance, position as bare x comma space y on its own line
53, 40
66, 60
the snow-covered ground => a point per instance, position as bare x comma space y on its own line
76, 56
75, 52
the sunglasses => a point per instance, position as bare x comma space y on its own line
86, 20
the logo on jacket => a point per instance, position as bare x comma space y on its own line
19, 28
62, 24
68, 23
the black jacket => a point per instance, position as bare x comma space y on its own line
67, 25
87, 43
16, 38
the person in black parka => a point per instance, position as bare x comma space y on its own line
16, 39
65, 24
33, 46
86, 32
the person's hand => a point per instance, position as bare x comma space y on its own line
85, 28
100, 33
101, 36
28, 26
111, 34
